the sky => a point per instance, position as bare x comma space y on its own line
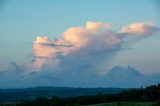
38, 34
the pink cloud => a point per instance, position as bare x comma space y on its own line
140, 29
95, 37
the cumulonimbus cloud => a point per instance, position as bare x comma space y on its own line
79, 53
94, 37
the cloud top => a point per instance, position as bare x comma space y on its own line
141, 29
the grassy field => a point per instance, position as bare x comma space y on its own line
125, 104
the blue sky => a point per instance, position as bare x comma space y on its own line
21, 21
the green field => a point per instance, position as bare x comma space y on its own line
125, 104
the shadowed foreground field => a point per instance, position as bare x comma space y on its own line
125, 104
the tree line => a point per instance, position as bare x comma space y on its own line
148, 94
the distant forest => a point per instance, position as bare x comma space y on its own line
148, 94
